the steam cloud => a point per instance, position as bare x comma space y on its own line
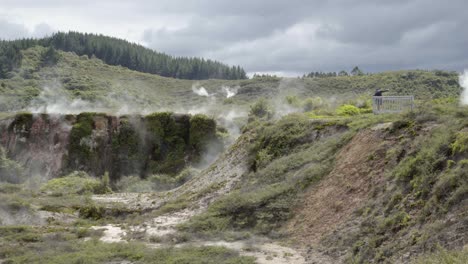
200, 91
463, 79
230, 92
53, 100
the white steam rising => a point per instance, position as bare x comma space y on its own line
230, 92
201, 91
463, 79
226, 90
53, 100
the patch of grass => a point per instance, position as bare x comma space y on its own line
429, 183
288, 158
10, 170
444, 256
71, 250
75, 183
185, 200
156, 182
460, 145
261, 210
348, 110
395, 222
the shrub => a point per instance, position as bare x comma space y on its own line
10, 171
443, 256
292, 100
348, 110
261, 109
261, 210
202, 131
310, 104
91, 211
77, 182
460, 144
133, 184
395, 222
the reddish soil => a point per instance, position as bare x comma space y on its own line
359, 166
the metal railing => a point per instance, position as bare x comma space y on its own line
392, 104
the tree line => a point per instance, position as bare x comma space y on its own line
115, 51
354, 72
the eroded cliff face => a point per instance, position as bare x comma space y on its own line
51, 145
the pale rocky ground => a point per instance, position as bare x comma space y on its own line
226, 172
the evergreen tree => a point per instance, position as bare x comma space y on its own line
356, 71
50, 57
115, 51
342, 73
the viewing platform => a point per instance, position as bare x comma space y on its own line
392, 104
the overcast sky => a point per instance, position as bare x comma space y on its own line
287, 37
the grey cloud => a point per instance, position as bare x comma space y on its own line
9, 31
378, 35
287, 36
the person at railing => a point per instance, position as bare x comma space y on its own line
378, 101
379, 92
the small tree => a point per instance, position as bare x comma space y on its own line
50, 57
260, 109
356, 71
342, 73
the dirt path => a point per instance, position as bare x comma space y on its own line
226, 171
264, 250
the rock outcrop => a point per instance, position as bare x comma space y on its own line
51, 145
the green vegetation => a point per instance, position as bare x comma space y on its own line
443, 256
285, 159
347, 110
50, 57
203, 133
80, 149
10, 58
93, 80
414, 204
428, 179
59, 245
460, 145
55, 240
76, 183
118, 52
261, 109
156, 182
10, 171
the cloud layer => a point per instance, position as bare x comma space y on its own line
290, 37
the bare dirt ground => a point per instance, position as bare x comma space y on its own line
324, 207
332, 201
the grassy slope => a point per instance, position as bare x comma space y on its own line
286, 162
423, 183
91, 79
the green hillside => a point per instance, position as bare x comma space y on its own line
116, 51
111, 87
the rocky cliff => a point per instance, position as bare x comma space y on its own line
51, 145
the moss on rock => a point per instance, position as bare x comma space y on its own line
202, 131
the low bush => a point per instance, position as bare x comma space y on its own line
10, 171
444, 256
155, 182
348, 110
77, 182
260, 109
460, 145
